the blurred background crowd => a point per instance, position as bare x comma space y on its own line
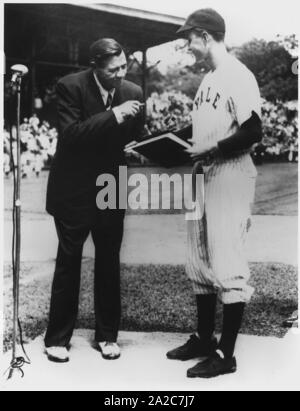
38, 146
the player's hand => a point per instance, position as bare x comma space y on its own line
199, 149
204, 153
130, 108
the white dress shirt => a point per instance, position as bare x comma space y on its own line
104, 94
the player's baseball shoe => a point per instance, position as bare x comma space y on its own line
193, 348
213, 367
110, 350
57, 354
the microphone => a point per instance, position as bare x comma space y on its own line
18, 71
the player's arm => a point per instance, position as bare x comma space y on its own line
249, 133
245, 104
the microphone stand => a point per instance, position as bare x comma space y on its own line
17, 363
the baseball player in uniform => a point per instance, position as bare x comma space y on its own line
226, 123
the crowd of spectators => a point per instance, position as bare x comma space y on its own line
38, 146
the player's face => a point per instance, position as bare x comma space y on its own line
113, 73
198, 45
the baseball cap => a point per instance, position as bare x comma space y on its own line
205, 19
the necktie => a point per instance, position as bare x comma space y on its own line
109, 101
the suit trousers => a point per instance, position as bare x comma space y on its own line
107, 233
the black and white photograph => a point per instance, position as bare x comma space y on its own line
149, 186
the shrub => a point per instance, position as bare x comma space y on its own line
280, 130
172, 110
168, 110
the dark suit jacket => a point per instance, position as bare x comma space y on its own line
90, 143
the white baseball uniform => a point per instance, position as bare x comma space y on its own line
216, 260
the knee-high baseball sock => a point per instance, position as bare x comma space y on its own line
232, 321
206, 307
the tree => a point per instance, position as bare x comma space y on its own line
271, 64
290, 43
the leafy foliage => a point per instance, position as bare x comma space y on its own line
183, 79
280, 127
280, 122
290, 43
169, 109
271, 64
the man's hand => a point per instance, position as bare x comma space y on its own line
129, 109
128, 148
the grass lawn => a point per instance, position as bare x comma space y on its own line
276, 193
159, 298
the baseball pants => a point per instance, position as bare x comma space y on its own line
216, 256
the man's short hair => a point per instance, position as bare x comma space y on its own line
218, 36
102, 50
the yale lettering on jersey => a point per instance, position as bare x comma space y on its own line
207, 97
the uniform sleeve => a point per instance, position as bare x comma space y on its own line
248, 134
244, 97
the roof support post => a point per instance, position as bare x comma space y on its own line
33, 75
144, 81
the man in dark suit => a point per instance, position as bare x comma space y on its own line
98, 114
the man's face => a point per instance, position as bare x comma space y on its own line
198, 45
113, 73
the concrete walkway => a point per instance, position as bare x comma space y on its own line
266, 364
161, 239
